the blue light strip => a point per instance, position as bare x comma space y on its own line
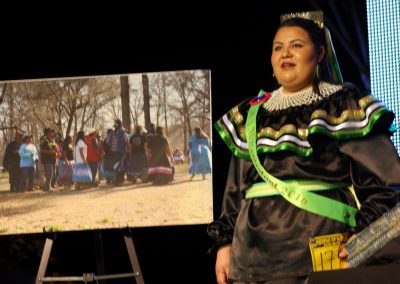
384, 55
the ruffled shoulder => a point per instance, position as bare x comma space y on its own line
346, 113
350, 114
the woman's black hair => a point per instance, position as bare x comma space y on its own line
199, 132
138, 130
67, 140
80, 136
317, 36
160, 131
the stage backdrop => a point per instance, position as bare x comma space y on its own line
384, 54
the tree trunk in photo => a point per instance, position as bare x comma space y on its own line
126, 118
185, 135
11, 118
71, 117
186, 115
59, 125
3, 92
146, 101
189, 125
164, 78
83, 119
75, 124
203, 114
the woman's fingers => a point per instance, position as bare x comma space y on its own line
222, 277
222, 264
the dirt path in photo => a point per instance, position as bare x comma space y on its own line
180, 202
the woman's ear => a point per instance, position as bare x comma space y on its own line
321, 54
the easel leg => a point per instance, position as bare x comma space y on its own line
134, 260
44, 261
98, 242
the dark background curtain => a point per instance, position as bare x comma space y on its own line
232, 40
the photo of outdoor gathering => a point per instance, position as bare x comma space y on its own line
113, 151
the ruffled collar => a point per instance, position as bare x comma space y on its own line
281, 101
340, 112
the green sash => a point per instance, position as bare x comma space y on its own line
306, 200
262, 189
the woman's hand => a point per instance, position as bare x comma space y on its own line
343, 254
222, 264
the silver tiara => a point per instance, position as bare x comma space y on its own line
316, 16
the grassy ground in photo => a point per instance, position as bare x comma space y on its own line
136, 205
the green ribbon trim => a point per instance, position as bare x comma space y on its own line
219, 126
350, 133
263, 189
332, 59
301, 151
244, 154
306, 200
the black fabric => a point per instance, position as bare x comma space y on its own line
382, 274
159, 158
11, 157
68, 152
47, 145
137, 143
269, 236
300, 280
11, 163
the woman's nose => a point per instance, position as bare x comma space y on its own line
286, 52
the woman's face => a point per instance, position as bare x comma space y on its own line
294, 58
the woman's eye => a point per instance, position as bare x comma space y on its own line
277, 48
297, 45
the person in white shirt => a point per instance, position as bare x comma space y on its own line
82, 174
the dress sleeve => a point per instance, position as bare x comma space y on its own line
375, 173
221, 230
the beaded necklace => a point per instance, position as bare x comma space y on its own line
280, 101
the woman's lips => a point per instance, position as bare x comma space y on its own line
287, 65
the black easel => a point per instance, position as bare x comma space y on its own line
90, 277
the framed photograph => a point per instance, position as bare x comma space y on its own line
105, 152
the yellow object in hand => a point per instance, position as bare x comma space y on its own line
324, 252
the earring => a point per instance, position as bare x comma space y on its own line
273, 74
317, 72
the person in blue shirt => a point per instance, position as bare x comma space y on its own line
29, 155
200, 155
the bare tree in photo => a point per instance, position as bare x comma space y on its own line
159, 85
164, 84
99, 93
136, 106
201, 86
146, 101
65, 104
7, 114
114, 108
186, 104
125, 90
3, 92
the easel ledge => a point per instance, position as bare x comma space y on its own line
90, 277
